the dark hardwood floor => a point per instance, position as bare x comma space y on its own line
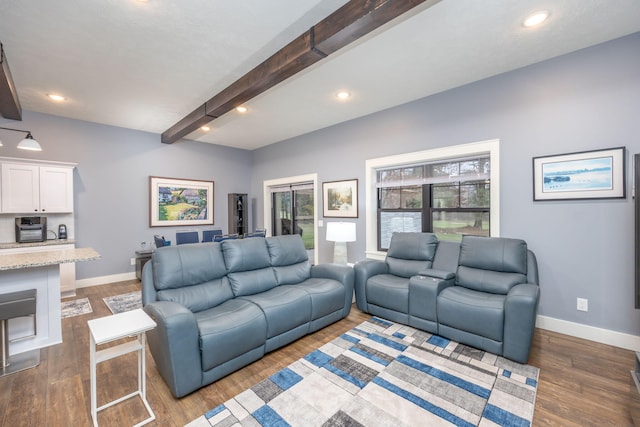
582, 383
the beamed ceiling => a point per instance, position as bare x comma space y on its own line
151, 65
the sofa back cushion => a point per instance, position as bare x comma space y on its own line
192, 275
199, 297
289, 259
492, 264
249, 266
410, 253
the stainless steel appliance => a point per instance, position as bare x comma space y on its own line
31, 229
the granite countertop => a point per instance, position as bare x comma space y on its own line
40, 259
52, 242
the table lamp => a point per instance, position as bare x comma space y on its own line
341, 233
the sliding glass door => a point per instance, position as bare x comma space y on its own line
293, 212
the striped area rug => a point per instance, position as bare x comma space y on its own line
386, 374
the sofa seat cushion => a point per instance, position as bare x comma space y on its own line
285, 308
230, 330
389, 291
475, 312
327, 296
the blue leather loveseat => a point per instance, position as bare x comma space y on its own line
482, 292
220, 306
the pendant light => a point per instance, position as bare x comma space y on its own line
28, 143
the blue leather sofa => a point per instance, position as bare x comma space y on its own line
482, 292
222, 305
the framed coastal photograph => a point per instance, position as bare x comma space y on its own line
179, 202
340, 199
596, 174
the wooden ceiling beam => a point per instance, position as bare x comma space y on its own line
347, 24
9, 103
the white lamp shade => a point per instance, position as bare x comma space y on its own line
341, 231
29, 144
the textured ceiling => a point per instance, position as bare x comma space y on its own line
146, 65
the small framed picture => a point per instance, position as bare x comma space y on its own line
340, 199
596, 174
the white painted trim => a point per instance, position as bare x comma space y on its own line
463, 150
266, 203
37, 161
591, 333
105, 280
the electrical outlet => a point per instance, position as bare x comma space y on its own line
582, 304
133, 261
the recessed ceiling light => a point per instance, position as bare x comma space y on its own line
205, 128
241, 109
342, 95
536, 18
56, 97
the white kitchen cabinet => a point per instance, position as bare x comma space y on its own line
56, 189
33, 188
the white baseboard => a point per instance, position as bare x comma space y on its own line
591, 333
104, 280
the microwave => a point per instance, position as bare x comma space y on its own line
31, 229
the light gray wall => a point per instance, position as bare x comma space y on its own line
582, 101
111, 181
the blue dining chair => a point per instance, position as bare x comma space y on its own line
160, 242
183, 237
208, 235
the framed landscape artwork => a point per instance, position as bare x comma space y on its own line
340, 199
596, 174
179, 202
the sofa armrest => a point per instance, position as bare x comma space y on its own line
174, 344
148, 288
340, 273
363, 270
437, 274
423, 295
521, 306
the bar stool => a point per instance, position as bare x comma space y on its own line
12, 305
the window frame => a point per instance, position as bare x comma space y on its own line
489, 147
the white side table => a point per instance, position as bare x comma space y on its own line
110, 328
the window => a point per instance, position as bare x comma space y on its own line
449, 198
293, 209
448, 191
289, 207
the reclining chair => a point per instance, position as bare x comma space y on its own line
493, 304
382, 287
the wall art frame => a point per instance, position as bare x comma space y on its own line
180, 202
597, 174
340, 199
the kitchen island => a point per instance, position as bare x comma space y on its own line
40, 271
67, 270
